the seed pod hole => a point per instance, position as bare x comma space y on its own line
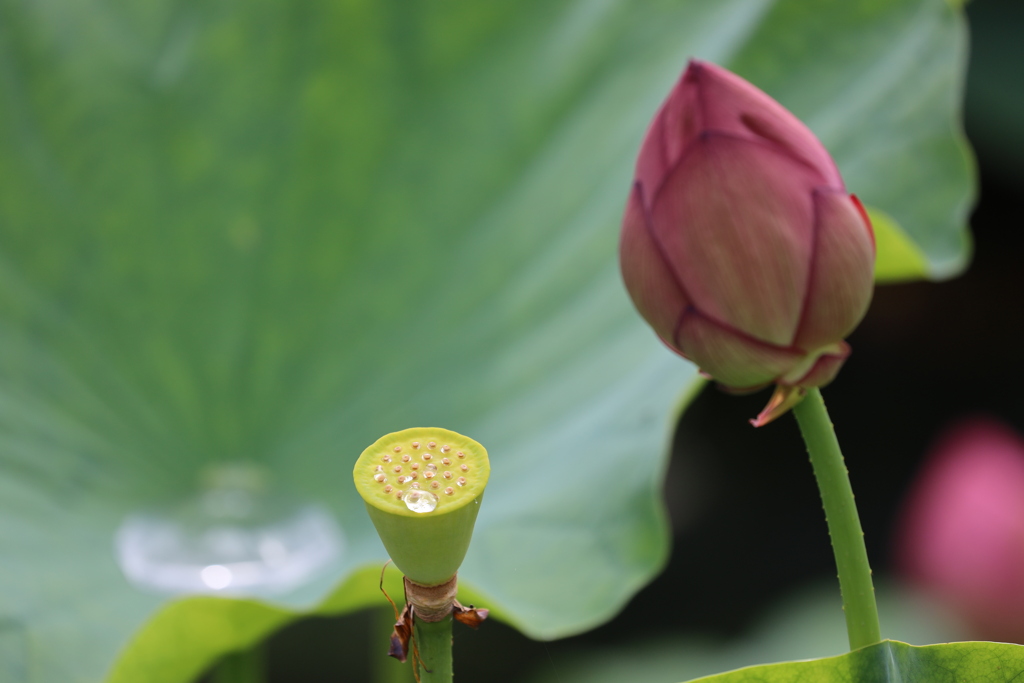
380, 477
415, 444
446, 461
406, 458
415, 466
461, 481
447, 475
432, 444
427, 456
464, 468
434, 485
387, 489
445, 448
449, 490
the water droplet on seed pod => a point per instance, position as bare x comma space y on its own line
420, 501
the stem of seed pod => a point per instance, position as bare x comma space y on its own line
434, 640
843, 521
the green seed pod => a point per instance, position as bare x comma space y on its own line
423, 488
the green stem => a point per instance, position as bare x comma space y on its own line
246, 666
843, 522
434, 640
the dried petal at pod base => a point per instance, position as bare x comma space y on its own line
470, 616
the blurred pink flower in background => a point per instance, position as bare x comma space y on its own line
961, 535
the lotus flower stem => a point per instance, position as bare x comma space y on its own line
434, 640
843, 521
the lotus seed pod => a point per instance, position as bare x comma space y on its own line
425, 527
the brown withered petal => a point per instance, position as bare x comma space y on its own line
470, 616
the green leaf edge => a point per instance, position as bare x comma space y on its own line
209, 627
206, 627
875, 663
898, 259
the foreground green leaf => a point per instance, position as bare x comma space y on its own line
894, 662
806, 625
272, 232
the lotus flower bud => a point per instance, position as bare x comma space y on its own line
740, 245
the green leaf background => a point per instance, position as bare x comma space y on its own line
275, 231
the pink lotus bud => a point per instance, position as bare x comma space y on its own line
740, 245
962, 528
